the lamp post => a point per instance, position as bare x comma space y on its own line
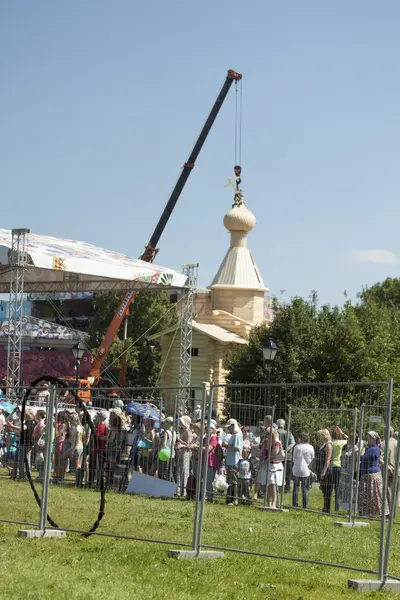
269, 351
78, 351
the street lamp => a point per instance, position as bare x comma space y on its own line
269, 351
78, 351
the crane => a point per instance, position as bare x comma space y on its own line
151, 249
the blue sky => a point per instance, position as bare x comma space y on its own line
102, 101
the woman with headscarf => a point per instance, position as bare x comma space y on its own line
184, 454
115, 442
61, 446
97, 456
370, 490
215, 458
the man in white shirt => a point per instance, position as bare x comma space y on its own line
303, 454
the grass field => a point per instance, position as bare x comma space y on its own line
102, 567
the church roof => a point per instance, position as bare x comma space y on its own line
238, 270
214, 331
219, 333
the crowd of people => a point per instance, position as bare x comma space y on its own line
244, 464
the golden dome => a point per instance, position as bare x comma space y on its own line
239, 218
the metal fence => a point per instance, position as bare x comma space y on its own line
287, 497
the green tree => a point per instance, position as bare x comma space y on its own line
295, 330
330, 344
151, 312
387, 293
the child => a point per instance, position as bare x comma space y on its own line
244, 476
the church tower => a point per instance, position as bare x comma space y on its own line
224, 314
237, 290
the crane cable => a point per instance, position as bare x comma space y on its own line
238, 121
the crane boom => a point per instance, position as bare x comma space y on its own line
151, 248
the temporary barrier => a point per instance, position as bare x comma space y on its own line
309, 408
162, 453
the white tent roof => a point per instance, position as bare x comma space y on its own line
61, 265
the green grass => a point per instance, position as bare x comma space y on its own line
100, 567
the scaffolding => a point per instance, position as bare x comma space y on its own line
17, 260
186, 329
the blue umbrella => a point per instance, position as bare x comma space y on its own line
7, 406
143, 410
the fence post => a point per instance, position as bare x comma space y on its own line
362, 417
363, 585
286, 453
44, 503
205, 464
385, 479
198, 471
201, 479
393, 504
353, 457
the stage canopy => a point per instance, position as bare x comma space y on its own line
61, 265
41, 333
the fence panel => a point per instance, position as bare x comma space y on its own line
321, 434
190, 455
391, 565
135, 438
298, 535
20, 507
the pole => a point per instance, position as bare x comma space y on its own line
286, 453
199, 469
205, 469
44, 503
77, 363
269, 453
392, 514
385, 481
362, 412
353, 458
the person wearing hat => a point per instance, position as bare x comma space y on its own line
234, 447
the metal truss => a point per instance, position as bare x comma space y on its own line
186, 329
17, 260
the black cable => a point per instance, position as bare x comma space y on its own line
82, 405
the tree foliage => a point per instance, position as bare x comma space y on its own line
151, 312
358, 342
